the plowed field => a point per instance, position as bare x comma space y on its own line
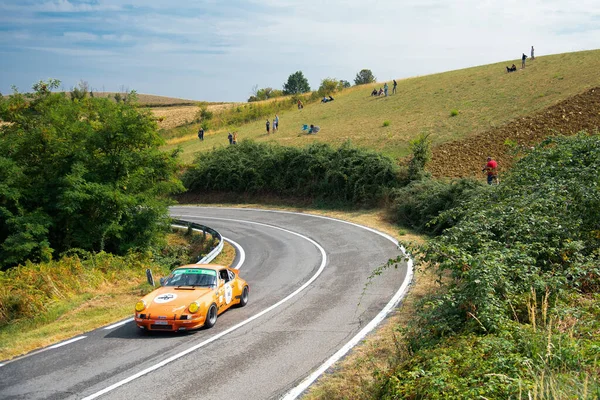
466, 157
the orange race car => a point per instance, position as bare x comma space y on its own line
191, 297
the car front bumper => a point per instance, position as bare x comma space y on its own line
172, 325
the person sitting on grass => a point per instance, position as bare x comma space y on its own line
313, 129
374, 92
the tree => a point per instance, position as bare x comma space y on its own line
330, 85
296, 84
264, 94
85, 174
364, 76
80, 91
345, 84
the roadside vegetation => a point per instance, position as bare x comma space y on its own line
517, 311
80, 173
43, 303
318, 172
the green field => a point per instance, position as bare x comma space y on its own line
484, 96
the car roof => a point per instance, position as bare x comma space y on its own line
214, 267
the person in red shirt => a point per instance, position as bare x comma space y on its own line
492, 171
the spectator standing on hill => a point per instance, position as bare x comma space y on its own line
276, 123
234, 137
268, 127
230, 138
532, 56
491, 168
394, 88
201, 134
300, 105
385, 89
523, 58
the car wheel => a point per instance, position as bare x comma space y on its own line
211, 316
244, 297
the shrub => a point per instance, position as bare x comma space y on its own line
95, 176
329, 86
521, 298
453, 112
347, 174
417, 204
386, 123
421, 154
539, 230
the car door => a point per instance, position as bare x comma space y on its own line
225, 291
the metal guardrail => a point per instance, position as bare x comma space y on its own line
205, 229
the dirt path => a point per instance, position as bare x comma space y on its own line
466, 157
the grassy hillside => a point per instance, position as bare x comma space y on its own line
150, 100
485, 97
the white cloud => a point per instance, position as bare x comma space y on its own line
81, 36
224, 48
67, 6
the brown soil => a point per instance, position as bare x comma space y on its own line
466, 157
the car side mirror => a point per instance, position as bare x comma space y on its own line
149, 277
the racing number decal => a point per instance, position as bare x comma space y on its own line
228, 293
165, 298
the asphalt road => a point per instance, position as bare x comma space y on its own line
307, 277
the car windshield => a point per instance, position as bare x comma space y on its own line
192, 277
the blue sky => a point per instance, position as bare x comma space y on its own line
218, 50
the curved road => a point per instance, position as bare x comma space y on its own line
306, 276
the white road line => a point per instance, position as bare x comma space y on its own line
240, 251
2, 365
229, 330
295, 392
56, 346
113, 326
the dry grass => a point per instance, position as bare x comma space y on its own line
172, 117
485, 97
104, 305
82, 313
151, 100
227, 255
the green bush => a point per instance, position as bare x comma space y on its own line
539, 229
453, 112
86, 173
346, 174
417, 204
522, 267
421, 154
386, 123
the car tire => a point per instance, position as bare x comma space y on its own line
211, 316
244, 297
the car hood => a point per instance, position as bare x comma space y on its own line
170, 300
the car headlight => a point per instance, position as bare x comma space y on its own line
194, 307
140, 306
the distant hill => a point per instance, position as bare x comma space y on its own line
450, 107
150, 100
